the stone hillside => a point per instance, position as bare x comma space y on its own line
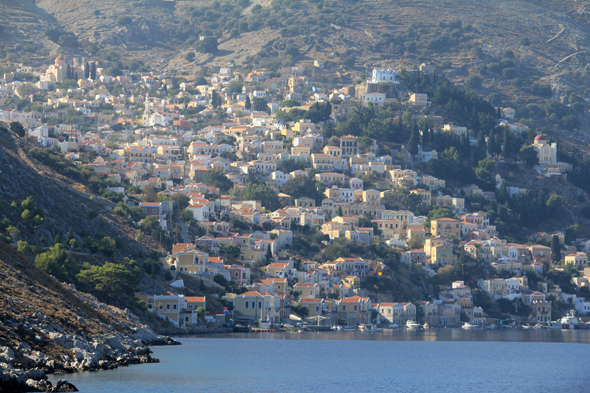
64, 202
48, 327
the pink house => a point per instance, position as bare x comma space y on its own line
155, 209
239, 274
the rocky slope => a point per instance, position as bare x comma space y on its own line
49, 327
65, 203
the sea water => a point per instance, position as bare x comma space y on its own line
436, 360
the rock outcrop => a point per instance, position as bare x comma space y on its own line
49, 327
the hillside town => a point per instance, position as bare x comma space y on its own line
258, 189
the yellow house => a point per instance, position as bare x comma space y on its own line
578, 260
169, 152
315, 307
445, 227
333, 151
353, 310
322, 162
425, 196
287, 133
301, 151
191, 261
167, 306
330, 177
307, 290
280, 285
254, 305
250, 255
277, 269
354, 221
372, 196
351, 282
442, 254
272, 147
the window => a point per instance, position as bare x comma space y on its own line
174, 306
246, 305
354, 308
343, 308
167, 306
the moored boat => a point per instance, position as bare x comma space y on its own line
411, 325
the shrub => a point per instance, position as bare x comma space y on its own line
124, 20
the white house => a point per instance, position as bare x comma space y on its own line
201, 211
381, 76
377, 99
279, 177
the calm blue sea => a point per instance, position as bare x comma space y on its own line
438, 360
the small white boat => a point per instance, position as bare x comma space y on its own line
467, 325
426, 326
337, 328
369, 329
392, 326
411, 325
349, 329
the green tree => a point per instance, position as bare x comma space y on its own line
554, 205
529, 155
217, 178
207, 45
150, 224
93, 71
413, 142
260, 105
334, 141
445, 274
473, 81
187, 215
18, 129
555, 249
190, 56
215, 100
236, 86
23, 247
248, 104
13, 232
232, 252
73, 243
485, 173
110, 280
107, 246
55, 262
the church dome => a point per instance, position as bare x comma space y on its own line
540, 137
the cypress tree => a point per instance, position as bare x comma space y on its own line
86, 70
248, 104
480, 148
214, 99
413, 142
506, 147
492, 143
555, 249
93, 71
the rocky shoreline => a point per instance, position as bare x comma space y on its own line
25, 370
